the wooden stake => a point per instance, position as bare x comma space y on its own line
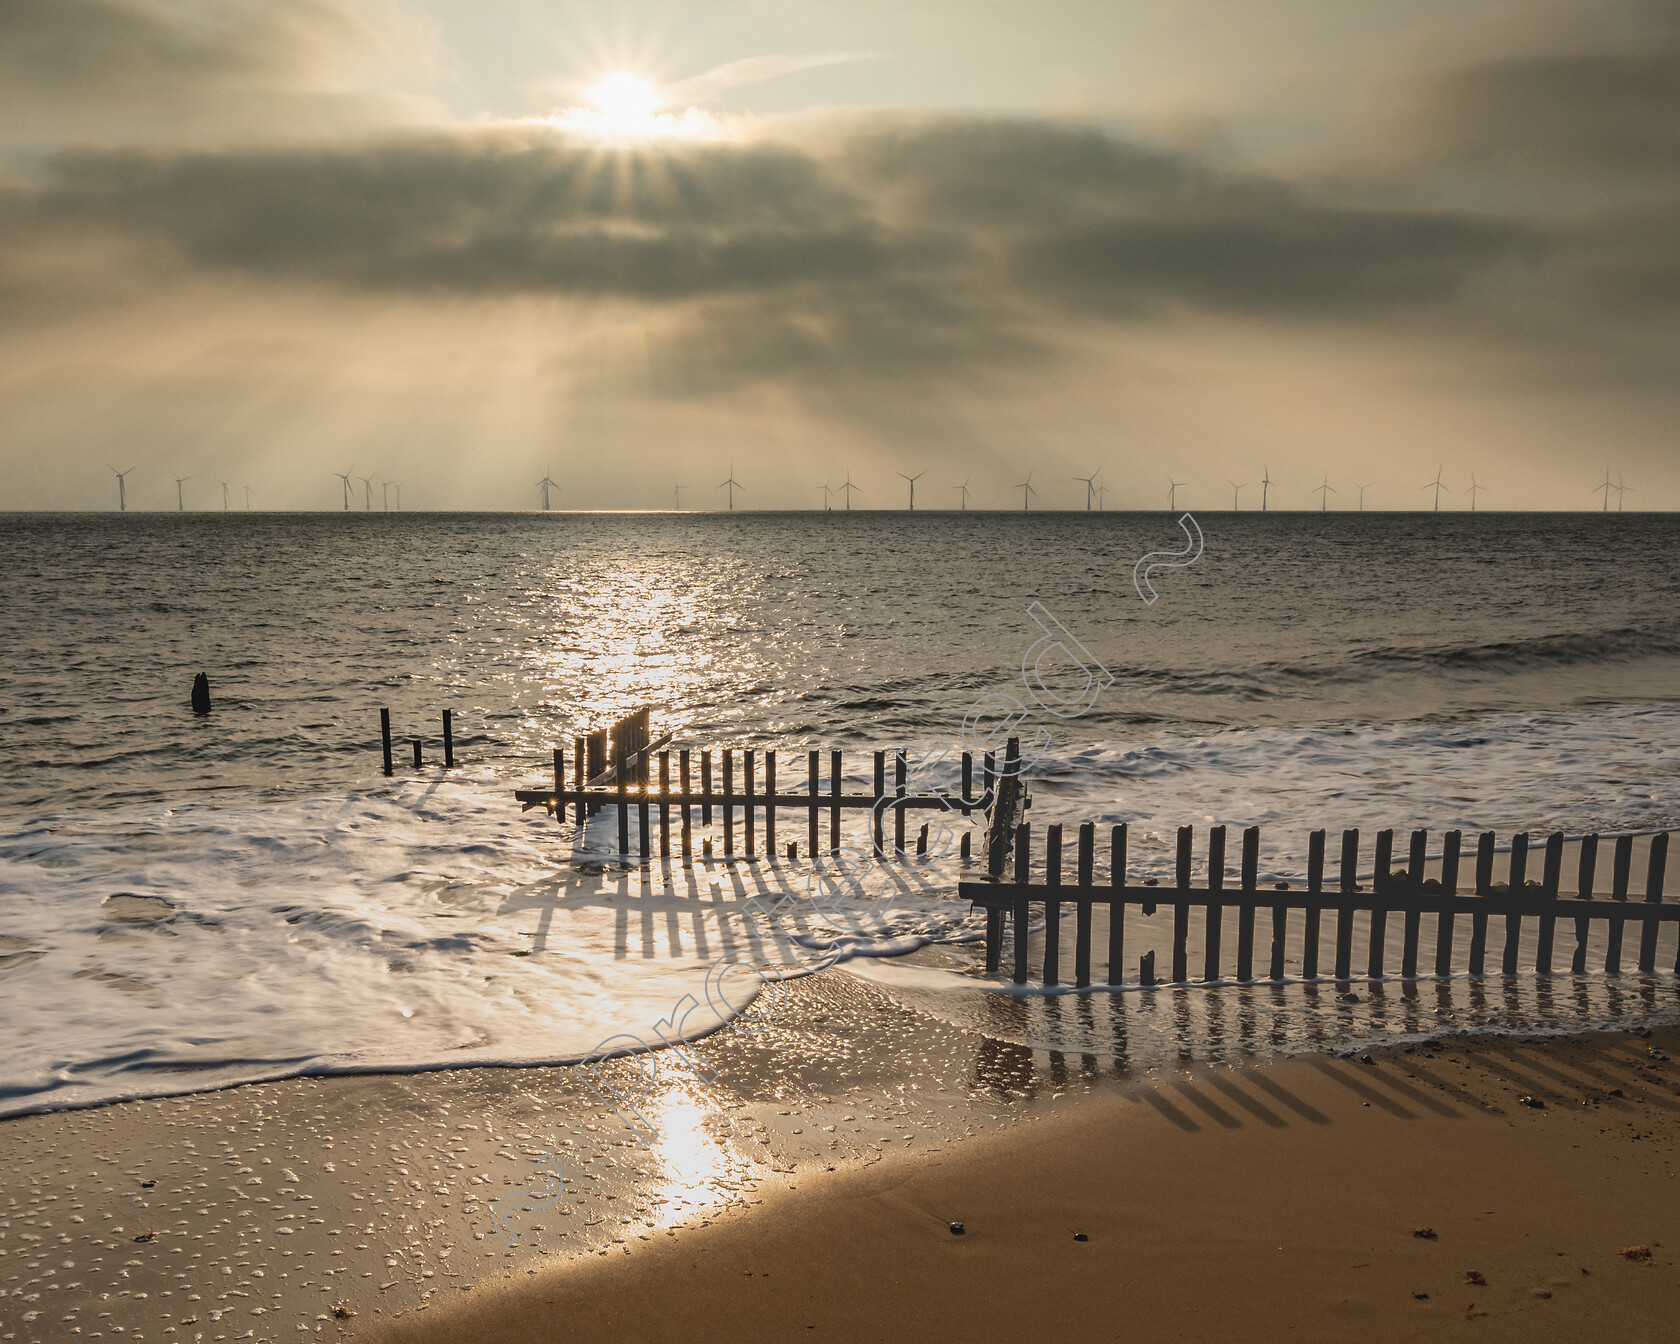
448, 741
1583, 888
1513, 923
1117, 909
1082, 912
1344, 914
385, 737
1023, 839
1052, 908
1181, 908
1449, 886
811, 807
1215, 913
1315, 885
687, 798
770, 803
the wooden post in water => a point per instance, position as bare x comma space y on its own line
417, 760
967, 780
728, 802
1245, 911
448, 740
385, 737
665, 804
642, 819
1146, 969
1052, 907
878, 821
1381, 889
1181, 908
1344, 913
1315, 886
1622, 867
1251, 883
1449, 887
1513, 922
1117, 908
770, 804
898, 808
836, 773
687, 817
1484, 887
1082, 911
560, 785
1414, 891
1023, 869
747, 784
1653, 894
1215, 913
1584, 888
811, 806
621, 769
578, 768
1551, 877
706, 787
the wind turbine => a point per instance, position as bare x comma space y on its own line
677, 489
345, 477
385, 495
1090, 486
1172, 494
122, 489
398, 485
1102, 491
964, 488
848, 487
827, 491
1364, 488
1026, 489
247, 490
1324, 492
1236, 495
367, 483
180, 499
733, 485
545, 485
1265, 483
1473, 491
1607, 487
224, 497
1620, 491
1437, 485
913, 479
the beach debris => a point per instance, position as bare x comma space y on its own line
1628, 1252
1427, 1233
147, 1185
201, 694
957, 1229
343, 1310
152, 1236
1280, 886
1080, 1236
1533, 1103
1474, 1276
1366, 1059
1347, 998
1539, 1292
1421, 1297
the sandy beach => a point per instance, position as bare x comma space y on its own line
815, 1190
1500, 1188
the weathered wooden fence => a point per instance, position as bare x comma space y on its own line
1405, 893
629, 785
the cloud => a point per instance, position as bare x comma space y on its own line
1030, 212
755, 70
131, 70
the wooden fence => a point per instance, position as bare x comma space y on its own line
628, 785
1406, 893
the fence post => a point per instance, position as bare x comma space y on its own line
1117, 907
1314, 917
448, 740
385, 736
1023, 838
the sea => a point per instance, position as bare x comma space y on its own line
189, 901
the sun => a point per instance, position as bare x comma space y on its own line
624, 108
624, 101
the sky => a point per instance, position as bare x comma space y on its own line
463, 244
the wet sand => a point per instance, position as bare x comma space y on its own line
1496, 1188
